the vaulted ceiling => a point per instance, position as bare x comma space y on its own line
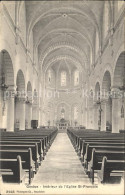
64, 30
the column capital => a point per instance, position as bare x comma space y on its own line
115, 88
104, 100
10, 92
35, 105
11, 88
116, 93
20, 99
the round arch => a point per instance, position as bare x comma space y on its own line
28, 106
20, 101
119, 84
119, 72
97, 91
29, 86
106, 104
6, 85
6, 68
106, 83
20, 81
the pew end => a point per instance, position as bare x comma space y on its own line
112, 171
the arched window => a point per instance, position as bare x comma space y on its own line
75, 113
120, 4
62, 113
106, 20
63, 78
76, 78
49, 76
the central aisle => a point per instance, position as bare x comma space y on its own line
61, 164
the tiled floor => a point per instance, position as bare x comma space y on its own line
61, 165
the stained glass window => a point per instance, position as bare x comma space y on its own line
49, 76
75, 113
76, 78
63, 78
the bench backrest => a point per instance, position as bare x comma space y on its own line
26, 156
15, 165
97, 156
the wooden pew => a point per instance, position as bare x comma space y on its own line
46, 138
108, 166
27, 139
26, 157
98, 137
11, 170
102, 141
38, 144
87, 140
94, 136
97, 157
48, 135
100, 147
97, 143
22, 140
34, 149
77, 135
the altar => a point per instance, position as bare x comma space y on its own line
62, 124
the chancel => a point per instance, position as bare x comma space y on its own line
62, 92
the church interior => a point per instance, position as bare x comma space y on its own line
62, 91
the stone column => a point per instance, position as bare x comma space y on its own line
115, 110
7, 109
22, 113
39, 116
10, 114
124, 112
86, 117
28, 115
4, 113
91, 112
96, 116
1, 102
115, 117
103, 115
34, 112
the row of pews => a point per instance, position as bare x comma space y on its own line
22, 153
102, 153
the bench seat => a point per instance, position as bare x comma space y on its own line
110, 168
11, 170
26, 156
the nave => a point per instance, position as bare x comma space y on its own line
61, 165
62, 93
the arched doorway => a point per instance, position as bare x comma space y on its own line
28, 106
118, 108
20, 102
106, 103
6, 91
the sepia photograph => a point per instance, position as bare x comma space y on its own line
62, 97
